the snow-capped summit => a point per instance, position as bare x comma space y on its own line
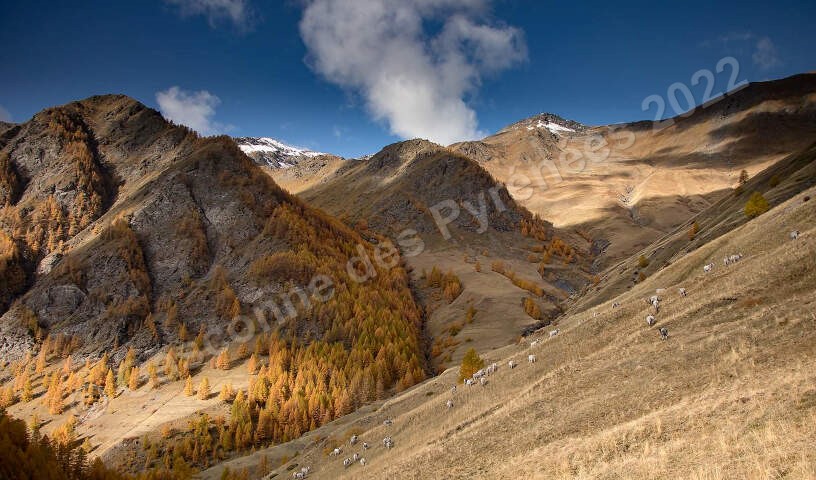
274, 153
555, 124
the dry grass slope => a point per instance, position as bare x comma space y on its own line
730, 394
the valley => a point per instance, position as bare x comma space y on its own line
182, 306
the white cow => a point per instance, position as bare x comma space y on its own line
355, 457
531, 358
615, 304
336, 451
449, 404
707, 268
347, 462
388, 443
353, 439
388, 422
363, 461
682, 292
365, 445
534, 343
511, 364
483, 381
650, 320
794, 235
554, 333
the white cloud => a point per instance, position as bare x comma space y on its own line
761, 48
415, 80
193, 109
5, 116
766, 55
238, 12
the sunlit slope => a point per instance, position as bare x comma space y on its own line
730, 394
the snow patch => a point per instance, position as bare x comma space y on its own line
552, 127
270, 145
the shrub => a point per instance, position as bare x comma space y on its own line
452, 286
152, 371
252, 364
188, 387
498, 267
227, 393
470, 314
692, 233
775, 181
110, 384
743, 179
531, 308
204, 389
133, 381
643, 262
756, 206
471, 363
223, 362
449, 283
526, 284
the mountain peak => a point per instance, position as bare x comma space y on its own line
274, 153
550, 121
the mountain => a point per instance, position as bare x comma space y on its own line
127, 241
292, 168
606, 397
778, 183
450, 216
273, 153
165, 299
554, 124
626, 185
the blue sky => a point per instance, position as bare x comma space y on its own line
349, 81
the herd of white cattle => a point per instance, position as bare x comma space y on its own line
732, 259
654, 302
358, 457
480, 377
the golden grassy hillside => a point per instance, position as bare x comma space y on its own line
630, 184
730, 394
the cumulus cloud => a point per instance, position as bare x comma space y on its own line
5, 116
238, 12
766, 55
414, 62
193, 109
